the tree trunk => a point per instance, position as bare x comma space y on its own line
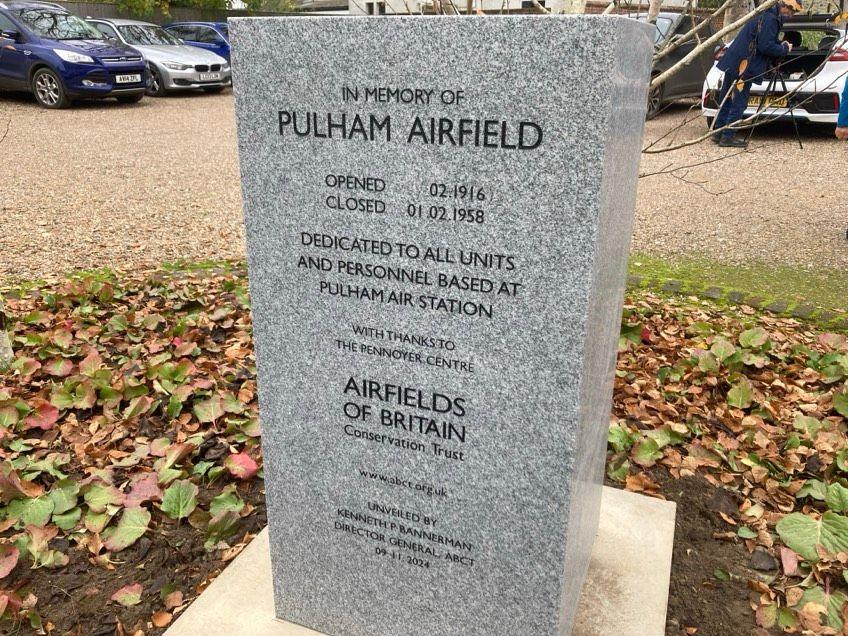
736, 10
654, 7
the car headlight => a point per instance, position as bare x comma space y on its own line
70, 56
176, 66
226, 66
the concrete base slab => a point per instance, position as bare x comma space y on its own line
626, 591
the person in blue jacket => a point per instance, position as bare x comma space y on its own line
842, 124
748, 58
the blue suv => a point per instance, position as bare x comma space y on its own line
58, 56
212, 36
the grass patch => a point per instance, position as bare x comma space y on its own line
824, 289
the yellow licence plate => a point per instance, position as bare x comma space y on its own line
770, 102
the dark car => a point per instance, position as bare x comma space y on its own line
689, 82
58, 56
212, 36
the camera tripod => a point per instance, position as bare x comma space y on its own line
776, 75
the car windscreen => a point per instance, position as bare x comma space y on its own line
224, 30
149, 35
47, 23
663, 27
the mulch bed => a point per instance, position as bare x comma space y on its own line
130, 465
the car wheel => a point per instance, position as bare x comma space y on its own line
213, 90
48, 89
156, 88
655, 101
130, 99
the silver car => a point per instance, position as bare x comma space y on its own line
173, 65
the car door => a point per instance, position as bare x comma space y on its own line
209, 39
15, 57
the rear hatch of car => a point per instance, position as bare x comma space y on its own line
815, 43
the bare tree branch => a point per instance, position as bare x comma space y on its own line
709, 42
673, 46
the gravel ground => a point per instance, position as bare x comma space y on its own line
105, 184
775, 203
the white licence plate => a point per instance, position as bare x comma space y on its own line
128, 79
206, 77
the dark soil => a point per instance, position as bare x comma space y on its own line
76, 598
697, 598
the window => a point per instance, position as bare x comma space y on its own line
381, 8
149, 35
184, 31
106, 30
208, 35
6, 25
50, 23
369, 8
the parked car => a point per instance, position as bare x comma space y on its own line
689, 82
814, 71
46, 50
212, 36
173, 65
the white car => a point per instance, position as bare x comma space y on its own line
814, 72
173, 65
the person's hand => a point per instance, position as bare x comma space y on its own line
788, 47
842, 133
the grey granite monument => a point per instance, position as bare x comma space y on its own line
438, 218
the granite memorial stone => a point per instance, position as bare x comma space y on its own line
438, 218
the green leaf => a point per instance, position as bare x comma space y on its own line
833, 602
132, 525
8, 416
96, 521
128, 595
837, 497
746, 533
665, 436
708, 362
138, 406
721, 575
741, 394
221, 527
618, 469
840, 403
803, 534
646, 453
32, 512
808, 424
754, 338
619, 438
99, 495
722, 348
227, 500
209, 410
842, 460
814, 488
64, 495
68, 521
180, 499
786, 619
